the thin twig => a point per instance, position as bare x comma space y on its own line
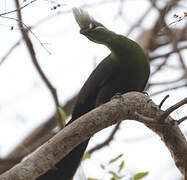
15, 10
163, 100
178, 19
181, 59
35, 61
34, 139
168, 89
160, 66
167, 54
181, 120
49, 154
168, 82
172, 108
29, 30
62, 12
140, 20
9, 52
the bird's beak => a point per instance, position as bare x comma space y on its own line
83, 31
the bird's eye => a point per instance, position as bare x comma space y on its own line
92, 26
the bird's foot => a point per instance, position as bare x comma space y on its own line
116, 96
145, 93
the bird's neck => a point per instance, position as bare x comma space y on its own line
121, 48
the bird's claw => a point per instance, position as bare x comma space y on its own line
116, 96
145, 93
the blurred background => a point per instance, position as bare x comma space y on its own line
27, 107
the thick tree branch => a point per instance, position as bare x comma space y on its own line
34, 139
107, 141
155, 44
86, 126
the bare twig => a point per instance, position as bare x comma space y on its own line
167, 54
34, 139
9, 52
82, 129
172, 108
163, 100
140, 20
181, 59
168, 89
60, 13
29, 30
182, 119
160, 66
15, 10
178, 19
35, 61
69, 105
167, 82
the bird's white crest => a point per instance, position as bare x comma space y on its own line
82, 17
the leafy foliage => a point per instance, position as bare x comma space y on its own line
86, 156
115, 159
115, 168
139, 175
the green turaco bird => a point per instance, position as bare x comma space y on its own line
125, 69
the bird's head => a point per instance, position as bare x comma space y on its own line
92, 29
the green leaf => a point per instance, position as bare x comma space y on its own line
115, 159
62, 116
112, 178
140, 175
92, 179
121, 165
86, 156
115, 176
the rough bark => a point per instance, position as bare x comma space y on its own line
133, 105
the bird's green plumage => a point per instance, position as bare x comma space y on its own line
125, 69
124, 51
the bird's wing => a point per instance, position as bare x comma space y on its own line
98, 78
